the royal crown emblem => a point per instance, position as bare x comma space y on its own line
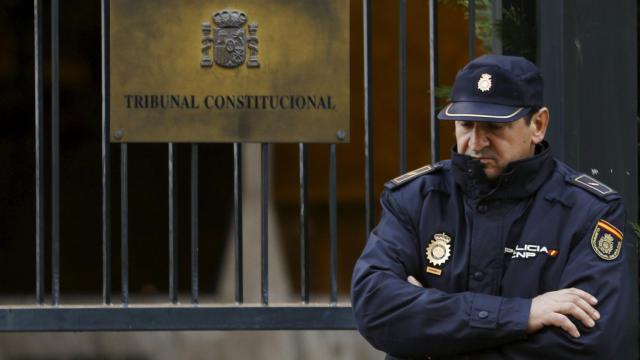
484, 84
229, 41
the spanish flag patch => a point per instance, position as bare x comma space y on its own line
606, 240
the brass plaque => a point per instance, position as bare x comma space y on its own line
229, 71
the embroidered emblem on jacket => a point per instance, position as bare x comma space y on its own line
606, 240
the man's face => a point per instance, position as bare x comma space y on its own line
496, 144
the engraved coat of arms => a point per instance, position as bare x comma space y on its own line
229, 41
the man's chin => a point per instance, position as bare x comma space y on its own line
492, 173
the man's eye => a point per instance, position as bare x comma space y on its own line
496, 126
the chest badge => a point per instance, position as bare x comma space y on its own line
438, 252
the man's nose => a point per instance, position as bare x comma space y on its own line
479, 138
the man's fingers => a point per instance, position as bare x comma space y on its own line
564, 323
554, 308
413, 281
580, 299
577, 312
583, 295
590, 310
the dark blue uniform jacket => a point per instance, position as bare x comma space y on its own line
542, 227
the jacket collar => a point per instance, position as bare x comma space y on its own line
520, 179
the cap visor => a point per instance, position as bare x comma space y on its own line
477, 111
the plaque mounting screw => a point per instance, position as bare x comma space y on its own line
118, 134
341, 135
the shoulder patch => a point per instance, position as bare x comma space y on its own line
405, 178
592, 185
606, 240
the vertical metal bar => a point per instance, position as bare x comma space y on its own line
55, 155
237, 211
124, 222
433, 80
194, 224
173, 228
472, 29
403, 86
304, 226
368, 120
496, 18
39, 140
333, 224
264, 208
106, 160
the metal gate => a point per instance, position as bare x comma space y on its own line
123, 315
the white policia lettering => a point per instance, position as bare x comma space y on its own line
529, 251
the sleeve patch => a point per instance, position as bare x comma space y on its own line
606, 240
402, 179
593, 185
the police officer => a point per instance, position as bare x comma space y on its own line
502, 252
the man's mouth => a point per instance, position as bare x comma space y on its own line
482, 158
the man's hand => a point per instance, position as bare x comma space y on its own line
552, 308
414, 281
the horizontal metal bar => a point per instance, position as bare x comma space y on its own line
141, 318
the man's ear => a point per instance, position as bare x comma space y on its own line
539, 124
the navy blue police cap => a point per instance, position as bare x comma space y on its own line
495, 88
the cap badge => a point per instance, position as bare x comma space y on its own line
439, 249
484, 84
